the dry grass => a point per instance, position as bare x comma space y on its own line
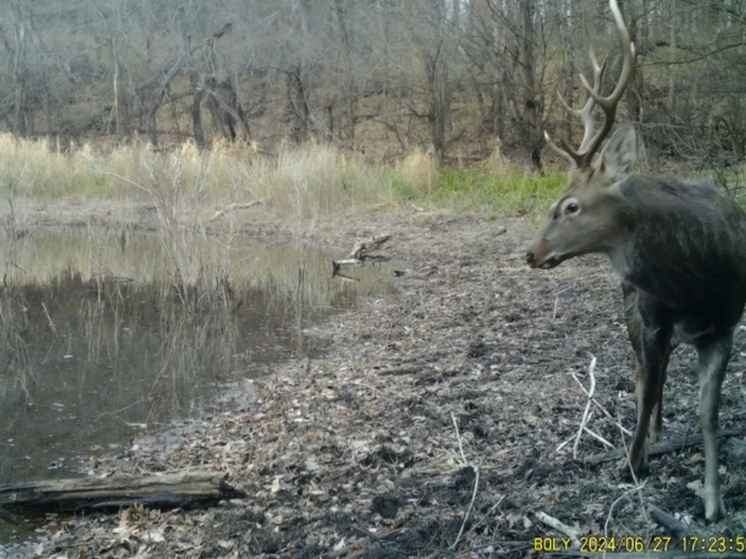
419, 170
297, 184
302, 182
312, 181
496, 162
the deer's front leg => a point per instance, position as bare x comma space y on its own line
655, 429
649, 378
633, 319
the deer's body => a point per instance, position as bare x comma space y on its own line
685, 246
680, 250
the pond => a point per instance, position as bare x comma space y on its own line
105, 333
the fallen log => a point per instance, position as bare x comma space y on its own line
161, 491
673, 444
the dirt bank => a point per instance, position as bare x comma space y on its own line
439, 424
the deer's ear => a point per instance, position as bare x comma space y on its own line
620, 154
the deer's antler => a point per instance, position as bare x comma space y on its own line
583, 156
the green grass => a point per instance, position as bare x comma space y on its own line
495, 194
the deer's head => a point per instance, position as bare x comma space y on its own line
588, 216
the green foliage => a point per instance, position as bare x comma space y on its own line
403, 190
473, 188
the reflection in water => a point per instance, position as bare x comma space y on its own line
104, 331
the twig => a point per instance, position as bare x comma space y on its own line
593, 434
401, 370
468, 511
475, 469
601, 408
572, 533
121, 178
379, 538
586, 412
236, 206
458, 438
556, 303
598, 437
49, 319
488, 514
619, 499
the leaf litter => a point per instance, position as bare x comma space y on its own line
439, 422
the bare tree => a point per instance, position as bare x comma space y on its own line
359, 73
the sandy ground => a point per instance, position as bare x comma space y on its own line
442, 422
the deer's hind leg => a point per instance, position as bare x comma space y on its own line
713, 360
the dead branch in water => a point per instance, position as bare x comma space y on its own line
361, 253
361, 250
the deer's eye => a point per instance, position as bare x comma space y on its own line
572, 208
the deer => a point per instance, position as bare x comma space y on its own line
679, 249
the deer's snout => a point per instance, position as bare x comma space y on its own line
537, 252
541, 255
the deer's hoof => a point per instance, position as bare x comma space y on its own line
627, 468
714, 507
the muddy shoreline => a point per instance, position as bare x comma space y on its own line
439, 422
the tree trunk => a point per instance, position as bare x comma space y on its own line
197, 95
298, 104
438, 89
533, 109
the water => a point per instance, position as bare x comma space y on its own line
106, 333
